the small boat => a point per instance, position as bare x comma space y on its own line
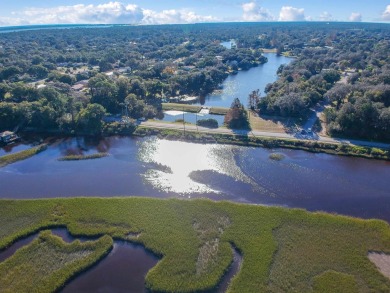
8, 137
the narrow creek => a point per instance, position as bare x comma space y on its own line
122, 270
233, 270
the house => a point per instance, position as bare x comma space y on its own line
8, 137
110, 74
124, 70
80, 85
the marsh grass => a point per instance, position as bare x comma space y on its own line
284, 250
83, 157
47, 263
276, 156
22, 155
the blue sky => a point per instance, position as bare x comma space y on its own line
18, 12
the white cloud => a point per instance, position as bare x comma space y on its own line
4, 21
173, 16
289, 13
326, 16
253, 12
386, 13
355, 17
111, 12
108, 13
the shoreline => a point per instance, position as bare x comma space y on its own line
270, 142
267, 142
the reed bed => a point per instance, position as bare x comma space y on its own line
83, 157
22, 155
284, 250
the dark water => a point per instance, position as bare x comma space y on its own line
243, 83
13, 148
233, 270
162, 168
122, 270
61, 232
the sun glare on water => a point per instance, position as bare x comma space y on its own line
172, 162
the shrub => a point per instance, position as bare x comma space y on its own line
211, 123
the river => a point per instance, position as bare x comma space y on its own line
239, 85
243, 83
154, 167
162, 168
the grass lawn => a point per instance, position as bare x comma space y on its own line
181, 107
270, 124
284, 250
218, 110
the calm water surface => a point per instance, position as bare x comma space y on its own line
163, 168
242, 84
122, 270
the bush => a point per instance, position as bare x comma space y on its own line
211, 123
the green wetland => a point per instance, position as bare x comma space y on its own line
190, 244
283, 250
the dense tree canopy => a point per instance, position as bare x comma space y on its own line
49, 77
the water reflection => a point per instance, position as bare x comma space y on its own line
243, 83
162, 168
181, 159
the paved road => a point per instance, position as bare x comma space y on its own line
177, 126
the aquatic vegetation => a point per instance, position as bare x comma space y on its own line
276, 156
48, 262
283, 249
22, 155
83, 157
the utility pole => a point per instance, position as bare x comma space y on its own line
196, 120
184, 124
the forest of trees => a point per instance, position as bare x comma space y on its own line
350, 74
40, 69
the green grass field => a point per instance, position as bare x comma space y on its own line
284, 250
181, 107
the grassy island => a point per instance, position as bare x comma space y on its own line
284, 250
83, 157
22, 155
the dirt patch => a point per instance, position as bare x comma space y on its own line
208, 252
382, 262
